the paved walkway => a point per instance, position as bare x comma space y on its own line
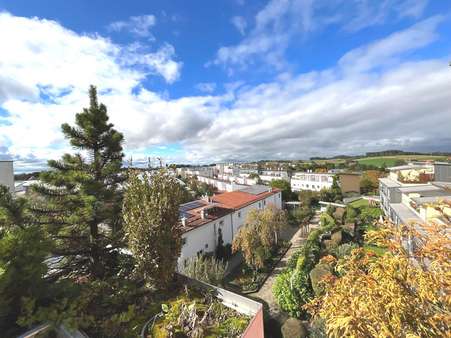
265, 293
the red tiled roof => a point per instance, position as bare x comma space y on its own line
239, 199
196, 220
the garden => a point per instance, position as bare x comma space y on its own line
190, 312
247, 279
341, 230
261, 247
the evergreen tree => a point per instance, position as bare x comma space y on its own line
81, 201
23, 249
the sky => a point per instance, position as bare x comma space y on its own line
208, 81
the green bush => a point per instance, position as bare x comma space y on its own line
293, 260
327, 222
316, 275
344, 250
292, 290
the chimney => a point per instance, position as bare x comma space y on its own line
202, 214
184, 221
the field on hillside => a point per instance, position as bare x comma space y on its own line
389, 161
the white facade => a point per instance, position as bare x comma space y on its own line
220, 184
7, 175
241, 179
311, 181
204, 238
271, 175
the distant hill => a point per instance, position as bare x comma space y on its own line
381, 153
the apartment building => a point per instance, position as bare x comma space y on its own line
311, 181
7, 175
348, 182
268, 176
221, 184
408, 191
196, 171
225, 213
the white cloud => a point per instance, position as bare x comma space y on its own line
354, 106
137, 25
240, 24
386, 51
206, 87
52, 68
282, 22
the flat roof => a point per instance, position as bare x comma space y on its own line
444, 185
420, 188
389, 182
256, 189
404, 213
431, 199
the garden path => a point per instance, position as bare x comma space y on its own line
265, 292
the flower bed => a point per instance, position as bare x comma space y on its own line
245, 280
195, 314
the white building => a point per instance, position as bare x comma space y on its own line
221, 185
408, 191
196, 171
7, 175
271, 175
203, 220
311, 181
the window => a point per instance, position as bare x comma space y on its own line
264, 202
259, 205
239, 213
221, 223
183, 240
206, 246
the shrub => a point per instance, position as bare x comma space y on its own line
319, 272
292, 262
291, 290
327, 222
206, 269
344, 250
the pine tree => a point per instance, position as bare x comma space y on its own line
23, 250
81, 203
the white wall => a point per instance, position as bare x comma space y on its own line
7, 175
205, 235
311, 181
221, 185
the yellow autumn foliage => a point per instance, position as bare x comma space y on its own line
406, 292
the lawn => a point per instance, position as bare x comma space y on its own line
360, 203
390, 161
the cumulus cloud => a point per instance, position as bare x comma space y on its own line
137, 25
47, 69
374, 98
281, 22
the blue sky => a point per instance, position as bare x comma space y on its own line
205, 81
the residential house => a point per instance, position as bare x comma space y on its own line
409, 190
203, 220
268, 176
